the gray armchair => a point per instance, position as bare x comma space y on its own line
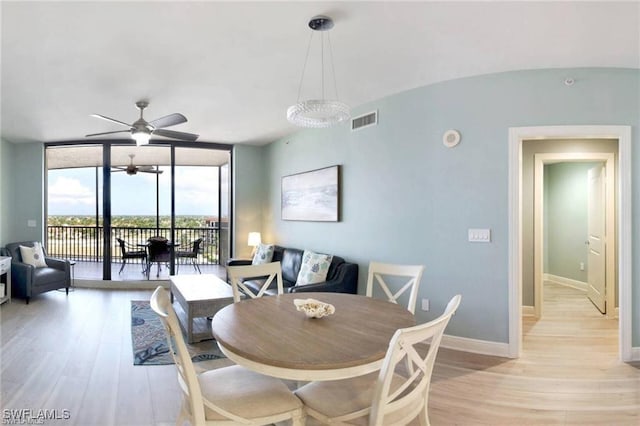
28, 281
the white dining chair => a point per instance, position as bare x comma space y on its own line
265, 271
379, 271
391, 397
227, 395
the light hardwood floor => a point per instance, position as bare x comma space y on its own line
74, 353
569, 374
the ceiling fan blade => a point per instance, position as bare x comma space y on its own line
106, 133
149, 169
168, 120
176, 135
154, 171
117, 169
113, 120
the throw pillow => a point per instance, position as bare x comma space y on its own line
314, 268
33, 255
264, 254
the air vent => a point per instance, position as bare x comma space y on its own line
365, 120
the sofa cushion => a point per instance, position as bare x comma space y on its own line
43, 277
33, 256
264, 254
290, 263
314, 268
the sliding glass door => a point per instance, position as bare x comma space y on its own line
100, 215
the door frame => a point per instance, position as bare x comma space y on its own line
540, 160
516, 137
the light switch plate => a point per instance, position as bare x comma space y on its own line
425, 304
31, 223
480, 235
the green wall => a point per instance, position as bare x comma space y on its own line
408, 199
22, 191
566, 220
529, 149
248, 170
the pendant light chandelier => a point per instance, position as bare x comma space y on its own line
319, 113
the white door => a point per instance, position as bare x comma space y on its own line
596, 229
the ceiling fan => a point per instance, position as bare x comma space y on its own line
141, 130
132, 169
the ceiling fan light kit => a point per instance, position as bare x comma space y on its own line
319, 113
142, 130
141, 137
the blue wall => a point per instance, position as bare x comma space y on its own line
405, 197
22, 191
408, 199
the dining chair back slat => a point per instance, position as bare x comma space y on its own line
408, 397
379, 271
266, 271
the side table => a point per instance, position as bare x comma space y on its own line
5, 279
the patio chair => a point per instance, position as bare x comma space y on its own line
127, 253
159, 252
379, 271
227, 395
391, 396
190, 254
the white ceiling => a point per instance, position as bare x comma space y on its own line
233, 68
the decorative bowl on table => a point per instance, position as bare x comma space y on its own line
314, 308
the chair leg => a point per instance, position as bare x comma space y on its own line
124, 262
67, 290
423, 417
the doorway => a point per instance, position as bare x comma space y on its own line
517, 137
581, 272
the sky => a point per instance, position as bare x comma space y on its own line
72, 192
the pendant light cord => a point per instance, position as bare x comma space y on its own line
333, 69
304, 67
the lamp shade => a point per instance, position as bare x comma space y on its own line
254, 239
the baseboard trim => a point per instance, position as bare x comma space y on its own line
635, 353
528, 311
568, 282
121, 285
483, 347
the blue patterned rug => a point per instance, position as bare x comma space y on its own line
149, 341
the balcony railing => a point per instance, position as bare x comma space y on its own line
85, 243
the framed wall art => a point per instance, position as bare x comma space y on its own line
312, 195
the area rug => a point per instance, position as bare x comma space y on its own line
149, 341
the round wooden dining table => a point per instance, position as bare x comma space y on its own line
269, 335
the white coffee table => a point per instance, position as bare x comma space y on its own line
199, 296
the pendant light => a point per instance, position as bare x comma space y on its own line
323, 112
